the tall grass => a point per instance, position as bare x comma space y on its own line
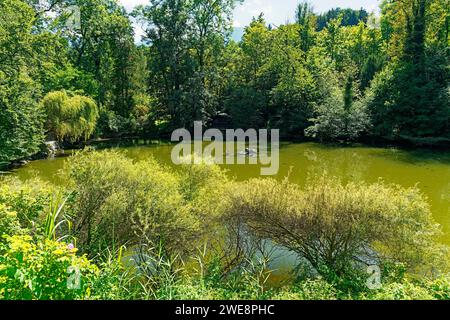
55, 219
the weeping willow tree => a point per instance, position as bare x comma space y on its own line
70, 117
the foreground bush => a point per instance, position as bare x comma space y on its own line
121, 202
9, 223
43, 270
26, 202
402, 291
338, 227
118, 201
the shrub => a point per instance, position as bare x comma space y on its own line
9, 223
27, 200
119, 201
308, 290
112, 124
402, 291
339, 226
200, 174
335, 121
439, 288
70, 117
202, 185
43, 270
115, 280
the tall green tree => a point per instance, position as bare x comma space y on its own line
410, 98
21, 121
349, 16
186, 41
307, 20
102, 45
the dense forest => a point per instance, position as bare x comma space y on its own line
345, 75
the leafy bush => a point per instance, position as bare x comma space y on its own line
439, 288
339, 226
202, 184
336, 121
402, 291
308, 290
116, 279
43, 270
121, 202
164, 216
9, 223
27, 200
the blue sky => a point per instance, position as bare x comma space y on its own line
276, 11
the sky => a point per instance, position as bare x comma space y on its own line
275, 11
281, 11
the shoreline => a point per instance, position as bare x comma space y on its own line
431, 145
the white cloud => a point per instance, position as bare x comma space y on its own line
130, 4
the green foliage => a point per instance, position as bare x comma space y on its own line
439, 288
21, 120
410, 97
164, 216
252, 115
350, 17
187, 41
308, 290
30, 270
9, 223
28, 201
339, 119
404, 104
402, 291
21, 129
294, 100
70, 117
335, 76
116, 279
73, 80
336, 226
111, 124
306, 19
103, 49
121, 202
55, 219
187, 69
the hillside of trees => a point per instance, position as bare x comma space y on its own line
343, 75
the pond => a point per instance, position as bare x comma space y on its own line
429, 170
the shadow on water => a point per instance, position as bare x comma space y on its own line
419, 157
408, 155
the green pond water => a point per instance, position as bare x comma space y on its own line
429, 170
